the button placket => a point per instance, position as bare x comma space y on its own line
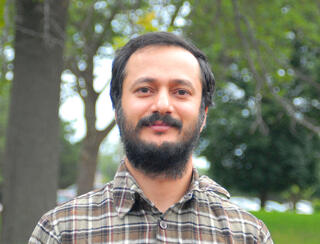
163, 227
163, 224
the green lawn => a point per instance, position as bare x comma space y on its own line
292, 228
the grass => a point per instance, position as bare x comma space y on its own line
292, 228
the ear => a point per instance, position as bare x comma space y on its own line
204, 119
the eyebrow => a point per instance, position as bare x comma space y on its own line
175, 81
184, 82
143, 80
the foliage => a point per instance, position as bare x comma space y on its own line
264, 44
6, 39
92, 27
4, 106
108, 167
6, 58
291, 228
296, 193
316, 205
2, 10
146, 22
252, 162
69, 154
109, 159
266, 65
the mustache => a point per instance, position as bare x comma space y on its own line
166, 118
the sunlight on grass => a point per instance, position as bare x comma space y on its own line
292, 228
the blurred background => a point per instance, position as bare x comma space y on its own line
58, 137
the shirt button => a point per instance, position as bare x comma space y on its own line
163, 224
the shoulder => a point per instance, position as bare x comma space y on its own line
92, 199
80, 209
218, 197
237, 219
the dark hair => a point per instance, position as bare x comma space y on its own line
161, 39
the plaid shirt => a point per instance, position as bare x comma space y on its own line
120, 213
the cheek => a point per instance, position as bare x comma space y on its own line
189, 111
134, 108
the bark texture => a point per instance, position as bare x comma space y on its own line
32, 150
89, 157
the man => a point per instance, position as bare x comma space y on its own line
161, 89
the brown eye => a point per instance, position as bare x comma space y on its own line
182, 92
144, 89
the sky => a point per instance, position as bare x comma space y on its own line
72, 108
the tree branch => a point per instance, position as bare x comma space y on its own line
103, 133
98, 40
71, 64
307, 79
298, 73
258, 95
33, 33
105, 86
176, 12
303, 120
217, 14
46, 17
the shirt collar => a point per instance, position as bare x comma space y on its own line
126, 189
208, 185
204, 184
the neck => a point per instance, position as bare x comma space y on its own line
162, 191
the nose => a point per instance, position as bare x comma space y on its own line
162, 103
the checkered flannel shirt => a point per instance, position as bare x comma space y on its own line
120, 213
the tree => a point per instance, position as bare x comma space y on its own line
261, 42
5, 74
31, 154
266, 65
4, 101
90, 28
255, 163
69, 156
109, 161
4, 98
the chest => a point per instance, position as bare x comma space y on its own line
193, 223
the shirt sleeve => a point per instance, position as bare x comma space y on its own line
265, 236
44, 233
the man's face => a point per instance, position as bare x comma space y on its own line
160, 107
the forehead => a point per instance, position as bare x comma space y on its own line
161, 49
168, 59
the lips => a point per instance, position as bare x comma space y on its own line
159, 123
159, 126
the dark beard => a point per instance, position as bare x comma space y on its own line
169, 159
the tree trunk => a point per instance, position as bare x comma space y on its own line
294, 205
263, 200
32, 150
91, 143
89, 158
88, 164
